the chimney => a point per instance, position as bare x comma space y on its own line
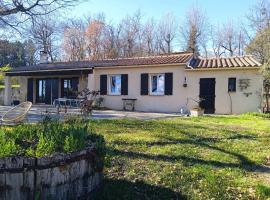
44, 58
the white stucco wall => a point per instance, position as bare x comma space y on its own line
240, 104
146, 103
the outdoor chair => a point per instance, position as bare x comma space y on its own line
88, 98
16, 114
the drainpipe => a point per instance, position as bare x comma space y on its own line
230, 102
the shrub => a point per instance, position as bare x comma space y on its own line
47, 138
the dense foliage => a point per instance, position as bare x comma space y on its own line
17, 54
47, 138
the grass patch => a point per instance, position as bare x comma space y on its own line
210, 157
264, 191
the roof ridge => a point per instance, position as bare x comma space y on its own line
221, 57
130, 58
151, 56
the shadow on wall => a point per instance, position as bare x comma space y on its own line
123, 189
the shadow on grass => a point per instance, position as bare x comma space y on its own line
197, 140
244, 162
139, 190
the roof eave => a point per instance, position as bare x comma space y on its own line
135, 66
63, 71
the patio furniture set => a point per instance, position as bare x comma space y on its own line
84, 102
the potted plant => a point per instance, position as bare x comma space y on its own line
197, 110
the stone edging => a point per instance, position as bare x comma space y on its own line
59, 176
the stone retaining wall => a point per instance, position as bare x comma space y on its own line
61, 176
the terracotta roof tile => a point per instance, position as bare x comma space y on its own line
229, 63
219, 63
244, 61
177, 58
224, 62
184, 58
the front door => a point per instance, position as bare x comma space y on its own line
207, 94
46, 90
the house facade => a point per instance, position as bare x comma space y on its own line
164, 83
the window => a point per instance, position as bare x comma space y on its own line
115, 85
41, 90
70, 87
157, 84
232, 85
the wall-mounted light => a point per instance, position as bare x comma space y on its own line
185, 82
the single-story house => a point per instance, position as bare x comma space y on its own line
163, 83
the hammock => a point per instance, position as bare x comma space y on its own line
17, 114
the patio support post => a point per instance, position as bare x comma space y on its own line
8, 91
91, 82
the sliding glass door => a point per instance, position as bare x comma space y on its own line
46, 90
69, 87
41, 91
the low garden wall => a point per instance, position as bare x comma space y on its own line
61, 176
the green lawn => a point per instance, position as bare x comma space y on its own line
212, 157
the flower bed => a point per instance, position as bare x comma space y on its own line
50, 160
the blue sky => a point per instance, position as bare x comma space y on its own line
218, 11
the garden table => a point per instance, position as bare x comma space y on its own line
65, 102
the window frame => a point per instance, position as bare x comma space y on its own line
109, 85
71, 90
150, 85
235, 82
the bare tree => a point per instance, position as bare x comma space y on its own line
241, 41
259, 19
74, 48
111, 36
166, 33
228, 38
44, 31
95, 38
216, 42
231, 39
195, 31
259, 15
149, 36
118, 40
131, 34
30, 52
15, 12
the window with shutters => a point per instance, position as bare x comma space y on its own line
115, 84
157, 84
